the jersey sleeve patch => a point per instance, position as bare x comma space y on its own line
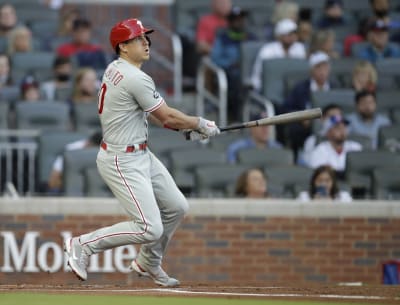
155, 107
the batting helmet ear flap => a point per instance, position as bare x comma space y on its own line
148, 40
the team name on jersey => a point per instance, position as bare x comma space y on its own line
113, 75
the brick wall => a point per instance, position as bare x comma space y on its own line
268, 249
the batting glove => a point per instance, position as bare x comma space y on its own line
207, 127
193, 135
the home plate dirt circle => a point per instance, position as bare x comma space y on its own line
360, 294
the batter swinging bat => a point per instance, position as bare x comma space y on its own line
285, 118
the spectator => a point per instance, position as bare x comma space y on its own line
300, 96
55, 182
286, 45
305, 27
87, 53
30, 91
333, 151
365, 121
324, 40
66, 22
62, 70
364, 76
85, 86
352, 39
209, 24
333, 15
259, 137
252, 184
5, 71
226, 54
312, 140
380, 9
282, 10
20, 40
324, 185
378, 46
8, 19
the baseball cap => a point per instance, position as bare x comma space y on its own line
28, 82
236, 12
284, 27
378, 25
317, 58
332, 121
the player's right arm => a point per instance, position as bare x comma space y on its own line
175, 119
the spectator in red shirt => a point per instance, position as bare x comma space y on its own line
87, 53
208, 25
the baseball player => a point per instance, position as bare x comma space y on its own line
141, 183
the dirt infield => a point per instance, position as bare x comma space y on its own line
357, 294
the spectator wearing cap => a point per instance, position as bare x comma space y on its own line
259, 137
226, 54
314, 139
209, 24
378, 46
285, 46
80, 46
30, 91
333, 15
365, 120
299, 98
333, 151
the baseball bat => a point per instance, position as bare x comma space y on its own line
285, 118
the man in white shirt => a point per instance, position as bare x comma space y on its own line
286, 45
333, 151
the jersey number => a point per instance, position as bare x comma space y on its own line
102, 93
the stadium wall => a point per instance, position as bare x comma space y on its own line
236, 241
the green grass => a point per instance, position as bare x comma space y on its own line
59, 299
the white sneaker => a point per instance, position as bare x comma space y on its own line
78, 259
159, 276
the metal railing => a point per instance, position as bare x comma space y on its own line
18, 150
220, 99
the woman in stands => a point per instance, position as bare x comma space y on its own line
85, 86
20, 40
252, 184
364, 76
323, 185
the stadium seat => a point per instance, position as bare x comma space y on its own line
365, 141
10, 94
216, 180
273, 76
342, 97
94, 184
396, 116
386, 183
266, 157
292, 178
387, 101
86, 117
33, 60
342, 69
223, 140
167, 141
42, 116
360, 164
4, 107
389, 137
50, 145
75, 164
248, 54
3, 44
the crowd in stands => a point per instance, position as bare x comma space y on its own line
318, 40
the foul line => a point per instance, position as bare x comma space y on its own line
182, 291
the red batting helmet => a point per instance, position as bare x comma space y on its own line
126, 30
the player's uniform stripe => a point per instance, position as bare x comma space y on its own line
137, 206
156, 106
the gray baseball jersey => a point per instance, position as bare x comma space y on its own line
138, 179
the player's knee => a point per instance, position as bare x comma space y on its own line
154, 231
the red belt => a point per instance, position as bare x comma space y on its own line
130, 148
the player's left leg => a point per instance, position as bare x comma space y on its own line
173, 206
